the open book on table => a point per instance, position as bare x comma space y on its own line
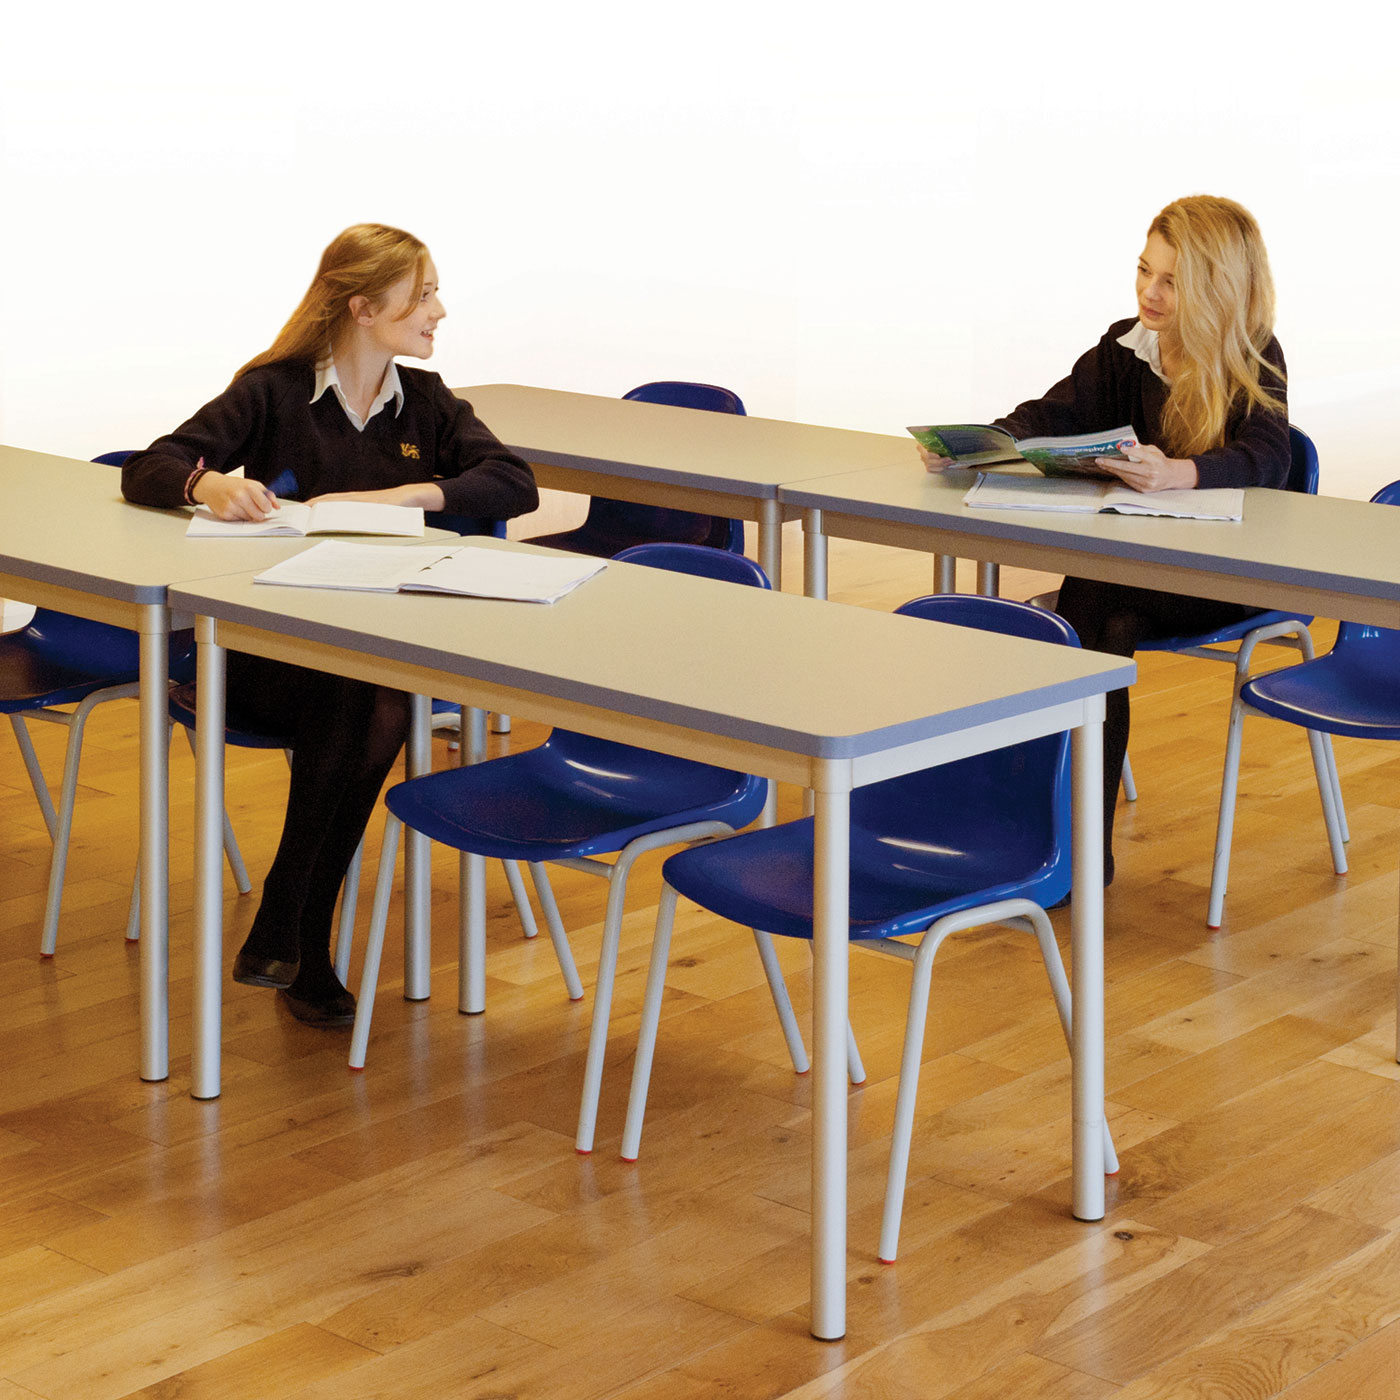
981, 445
997, 492
474, 571
324, 518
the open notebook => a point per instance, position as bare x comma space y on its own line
324, 518
1000, 492
474, 571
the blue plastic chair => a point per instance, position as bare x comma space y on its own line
1235, 646
612, 526
60, 660
1353, 690
984, 840
568, 802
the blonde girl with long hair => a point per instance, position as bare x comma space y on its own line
1200, 376
326, 412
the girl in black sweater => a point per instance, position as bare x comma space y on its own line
1200, 376
326, 413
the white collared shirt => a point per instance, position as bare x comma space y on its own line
1144, 344
391, 388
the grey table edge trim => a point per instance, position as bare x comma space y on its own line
825, 746
61, 576
1046, 536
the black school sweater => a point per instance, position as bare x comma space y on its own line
1110, 386
265, 422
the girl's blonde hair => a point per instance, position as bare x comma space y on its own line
366, 260
1224, 318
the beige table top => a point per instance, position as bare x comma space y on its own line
65, 525
1313, 553
784, 673
678, 446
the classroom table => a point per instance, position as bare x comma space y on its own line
1310, 554
1318, 555
69, 541
715, 463
744, 677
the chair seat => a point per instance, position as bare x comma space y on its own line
184, 698
572, 796
1234, 632
764, 879
1354, 692
613, 526
54, 661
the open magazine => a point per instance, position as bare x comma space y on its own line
981, 445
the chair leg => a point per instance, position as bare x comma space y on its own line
1336, 782
855, 1066
782, 1003
133, 907
1039, 924
36, 773
1305, 645
1225, 821
518, 894
500, 724
58, 863
1129, 786
602, 1003
916, 1018
345, 925
231, 852
544, 891
607, 961
1020, 914
651, 1016
1328, 794
374, 942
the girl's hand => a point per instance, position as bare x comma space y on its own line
1150, 469
932, 463
234, 497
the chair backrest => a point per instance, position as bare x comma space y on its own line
700, 559
1004, 810
621, 521
641, 767
992, 615
681, 394
465, 524
87, 648
1351, 634
1302, 468
115, 459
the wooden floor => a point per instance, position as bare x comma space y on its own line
426, 1229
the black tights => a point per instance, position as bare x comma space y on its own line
1116, 618
344, 737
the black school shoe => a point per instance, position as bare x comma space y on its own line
253, 970
326, 1011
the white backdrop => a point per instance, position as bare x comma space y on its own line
848, 214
